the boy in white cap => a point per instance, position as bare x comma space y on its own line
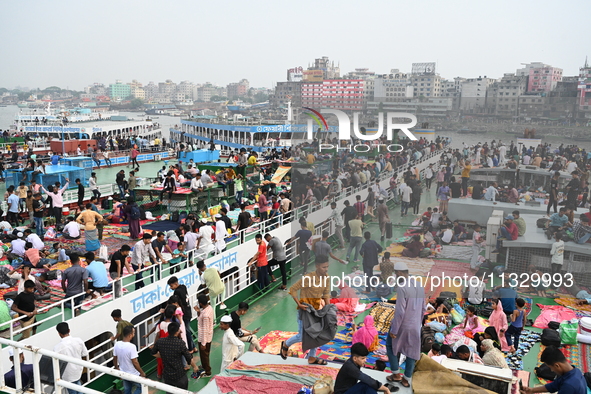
232, 347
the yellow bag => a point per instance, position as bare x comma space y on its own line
324, 385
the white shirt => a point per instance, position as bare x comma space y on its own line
447, 235
428, 173
36, 241
406, 192
526, 159
557, 252
206, 243
92, 183
190, 240
73, 347
18, 247
125, 352
141, 253
196, 183
72, 229
232, 348
220, 233
571, 167
490, 193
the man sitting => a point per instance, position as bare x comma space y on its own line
508, 232
351, 380
520, 223
570, 379
36, 258
558, 222
71, 229
582, 230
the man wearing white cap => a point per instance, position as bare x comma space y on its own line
405, 329
232, 347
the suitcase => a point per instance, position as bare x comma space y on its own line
389, 230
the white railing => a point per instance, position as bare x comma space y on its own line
59, 383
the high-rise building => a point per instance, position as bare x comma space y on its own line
151, 91
426, 85
287, 91
341, 94
184, 91
369, 78
396, 86
119, 90
503, 96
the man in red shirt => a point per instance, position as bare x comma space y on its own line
133, 155
260, 258
509, 232
428, 213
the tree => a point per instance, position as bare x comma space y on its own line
136, 103
261, 97
218, 98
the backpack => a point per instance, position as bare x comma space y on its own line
427, 338
183, 216
105, 203
550, 337
142, 213
135, 213
544, 372
542, 222
175, 216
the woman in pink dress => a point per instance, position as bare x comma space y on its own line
348, 299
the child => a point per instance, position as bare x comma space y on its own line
380, 365
514, 331
42, 288
61, 252
179, 254
557, 254
440, 352
471, 321
435, 350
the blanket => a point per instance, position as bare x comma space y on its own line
348, 317
553, 313
252, 385
580, 310
382, 314
340, 349
527, 340
430, 377
305, 374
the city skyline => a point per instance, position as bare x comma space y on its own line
62, 44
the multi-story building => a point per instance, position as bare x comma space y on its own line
287, 91
329, 70
473, 94
452, 89
426, 85
151, 91
341, 94
119, 90
184, 91
584, 89
395, 86
166, 89
238, 89
138, 92
369, 78
504, 95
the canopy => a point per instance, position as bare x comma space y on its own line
280, 173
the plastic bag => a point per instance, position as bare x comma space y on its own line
456, 317
437, 326
104, 252
568, 332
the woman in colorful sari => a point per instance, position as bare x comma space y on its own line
368, 334
498, 320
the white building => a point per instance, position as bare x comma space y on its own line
473, 93
396, 86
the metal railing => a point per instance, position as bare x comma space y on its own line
58, 383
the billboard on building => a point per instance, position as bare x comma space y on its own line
423, 68
312, 75
294, 73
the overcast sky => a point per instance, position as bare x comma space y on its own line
75, 43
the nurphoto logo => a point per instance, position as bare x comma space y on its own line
345, 129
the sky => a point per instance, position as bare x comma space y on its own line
72, 44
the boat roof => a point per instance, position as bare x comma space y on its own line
86, 127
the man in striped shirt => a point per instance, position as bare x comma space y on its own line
204, 334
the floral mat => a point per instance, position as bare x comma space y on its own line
578, 355
271, 343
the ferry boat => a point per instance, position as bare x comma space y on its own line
75, 115
142, 307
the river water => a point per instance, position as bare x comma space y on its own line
8, 113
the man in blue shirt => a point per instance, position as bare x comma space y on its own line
13, 206
98, 273
26, 372
369, 251
55, 159
558, 222
351, 380
570, 379
507, 296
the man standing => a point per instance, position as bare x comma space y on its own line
572, 190
242, 334
120, 181
553, 201
303, 235
212, 280
314, 289
260, 258
406, 192
118, 261
125, 359
465, 177
205, 333
13, 207
383, 217
405, 329
429, 176
369, 251
279, 258
71, 347
232, 347
77, 282
356, 227
349, 213
142, 252
338, 223
131, 184
80, 195
172, 349
183, 295
322, 248
158, 245
24, 305
244, 222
